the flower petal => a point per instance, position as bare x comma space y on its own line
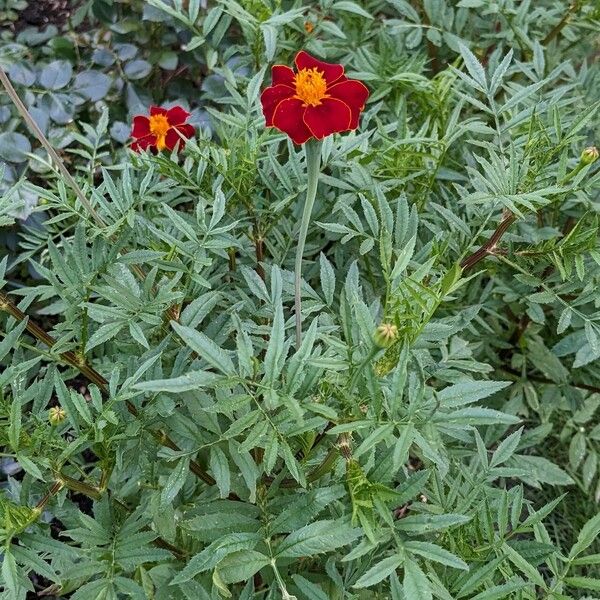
331, 116
331, 71
271, 97
177, 115
187, 131
157, 110
354, 94
143, 143
288, 118
282, 75
141, 126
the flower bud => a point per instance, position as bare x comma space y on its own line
386, 334
56, 415
589, 155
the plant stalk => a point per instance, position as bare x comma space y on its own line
312, 148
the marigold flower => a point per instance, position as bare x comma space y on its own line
313, 102
161, 130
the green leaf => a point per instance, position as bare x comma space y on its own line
215, 552
524, 566
14, 147
468, 392
351, 7
10, 341
205, 348
242, 565
311, 590
193, 380
427, 523
327, 279
275, 349
506, 448
416, 584
14, 428
379, 572
56, 75
502, 591
476, 71
316, 538
588, 534
9, 573
219, 466
587, 583
541, 469
175, 481
436, 553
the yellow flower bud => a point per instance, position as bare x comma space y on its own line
56, 415
386, 334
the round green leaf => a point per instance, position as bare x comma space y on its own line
56, 75
14, 146
93, 85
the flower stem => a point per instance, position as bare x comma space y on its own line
312, 149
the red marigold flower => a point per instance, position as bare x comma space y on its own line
313, 102
161, 129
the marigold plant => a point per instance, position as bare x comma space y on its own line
329, 332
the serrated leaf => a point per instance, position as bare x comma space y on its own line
379, 572
316, 538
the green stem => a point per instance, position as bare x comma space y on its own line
312, 149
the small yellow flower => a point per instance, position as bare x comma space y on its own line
386, 334
56, 415
308, 27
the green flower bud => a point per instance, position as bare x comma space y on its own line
56, 415
589, 155
386, 334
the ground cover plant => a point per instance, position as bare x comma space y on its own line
299, 299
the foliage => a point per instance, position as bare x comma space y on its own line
199, 453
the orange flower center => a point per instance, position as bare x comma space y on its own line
159, 126
311, 86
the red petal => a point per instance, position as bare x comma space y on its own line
331, 116
141, 126
186, 131
157, 110
173, 136
354, 94
271, 97
282, 75
177, 115
288, 118
331, 71
143, 143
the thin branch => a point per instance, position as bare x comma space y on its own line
10, 90
573, 8
489, 247
92, 375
